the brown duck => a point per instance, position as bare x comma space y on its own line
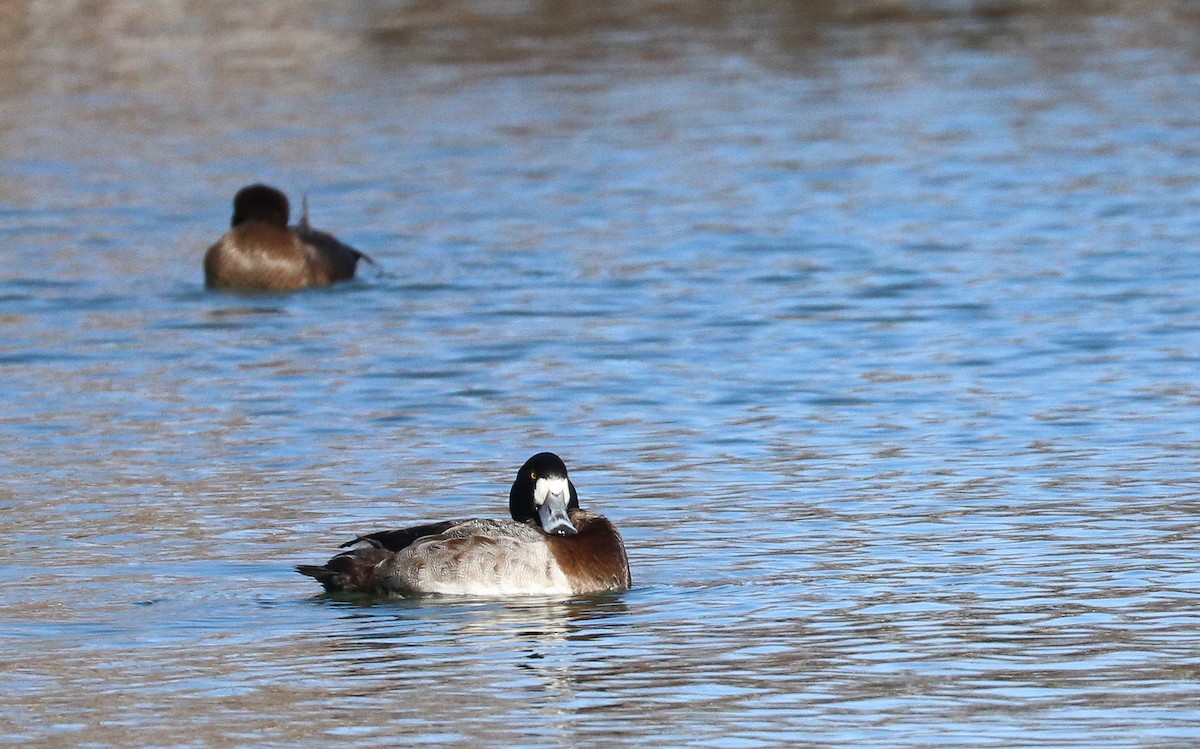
261, 252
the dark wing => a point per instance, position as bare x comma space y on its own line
403, 538
337, 258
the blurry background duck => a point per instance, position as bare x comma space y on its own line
550, 547
261, 252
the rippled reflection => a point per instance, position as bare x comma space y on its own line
872, 324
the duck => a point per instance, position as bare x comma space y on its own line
261, 252
549, 547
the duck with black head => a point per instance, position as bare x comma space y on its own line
551, 546
261, 252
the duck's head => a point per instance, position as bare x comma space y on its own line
260, 203
542, 494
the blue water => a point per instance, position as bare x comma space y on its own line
875, 328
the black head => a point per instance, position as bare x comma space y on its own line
538, 495
260, 203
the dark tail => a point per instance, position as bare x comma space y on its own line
324, 238
350, 572
323, 575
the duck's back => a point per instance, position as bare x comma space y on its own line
258, 255
477, 557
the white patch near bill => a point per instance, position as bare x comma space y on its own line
548, 486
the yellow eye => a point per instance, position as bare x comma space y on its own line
533, 475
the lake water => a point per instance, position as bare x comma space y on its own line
875, 326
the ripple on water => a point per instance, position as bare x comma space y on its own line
871, 331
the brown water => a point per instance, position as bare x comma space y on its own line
875, 327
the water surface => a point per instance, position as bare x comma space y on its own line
874, 327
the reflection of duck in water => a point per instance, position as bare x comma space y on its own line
260, 251
550, 547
